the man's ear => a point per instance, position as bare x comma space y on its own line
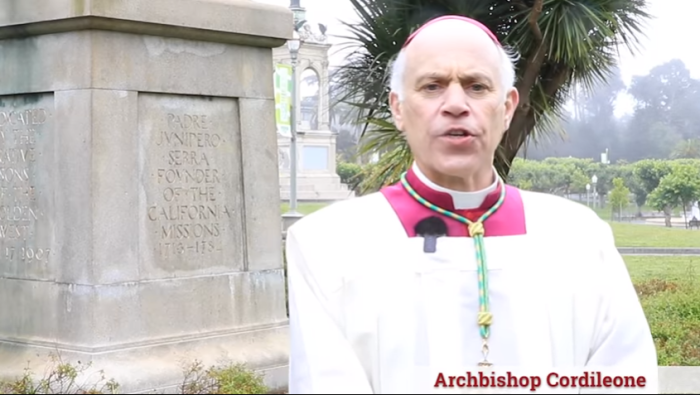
512, 100
395, 106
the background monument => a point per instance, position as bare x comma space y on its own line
139, 195
317, 179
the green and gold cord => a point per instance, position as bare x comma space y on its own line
476, 231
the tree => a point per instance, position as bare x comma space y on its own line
346, 144
680, 187
687, 149
619, 197
591, 126
561, 44
670, 95
648, 173
667, 111
626, 172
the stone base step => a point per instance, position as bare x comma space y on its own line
157, 366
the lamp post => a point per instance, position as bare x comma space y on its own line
292, 215
588, 195
594, 180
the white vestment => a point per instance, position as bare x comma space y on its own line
370, 312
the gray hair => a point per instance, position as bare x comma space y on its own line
508, 60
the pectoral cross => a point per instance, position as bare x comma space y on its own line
485, 351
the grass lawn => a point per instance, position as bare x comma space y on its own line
606, 212
669, 288
639, 235
303, 207
634, 235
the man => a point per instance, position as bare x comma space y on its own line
450, 268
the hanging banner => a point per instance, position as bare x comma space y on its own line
283, 99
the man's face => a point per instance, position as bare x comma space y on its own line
455, 108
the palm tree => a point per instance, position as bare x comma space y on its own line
560, 44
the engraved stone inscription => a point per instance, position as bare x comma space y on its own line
189, 215
192, 208
25, 123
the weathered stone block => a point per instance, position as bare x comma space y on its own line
139, 194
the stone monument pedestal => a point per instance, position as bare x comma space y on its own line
317, 180
138, 179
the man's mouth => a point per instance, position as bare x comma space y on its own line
457, 133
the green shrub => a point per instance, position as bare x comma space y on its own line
232, 379
350, 174
673, 311
63, 378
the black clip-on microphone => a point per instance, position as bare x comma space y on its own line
430, 229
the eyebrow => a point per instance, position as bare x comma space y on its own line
472, 76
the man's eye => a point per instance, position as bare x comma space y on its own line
432, 87
478, 87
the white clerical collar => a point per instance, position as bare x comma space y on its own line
461, 200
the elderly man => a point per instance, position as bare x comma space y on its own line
451, 269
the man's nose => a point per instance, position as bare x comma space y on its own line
456, 101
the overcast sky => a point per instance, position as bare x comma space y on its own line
668, 35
